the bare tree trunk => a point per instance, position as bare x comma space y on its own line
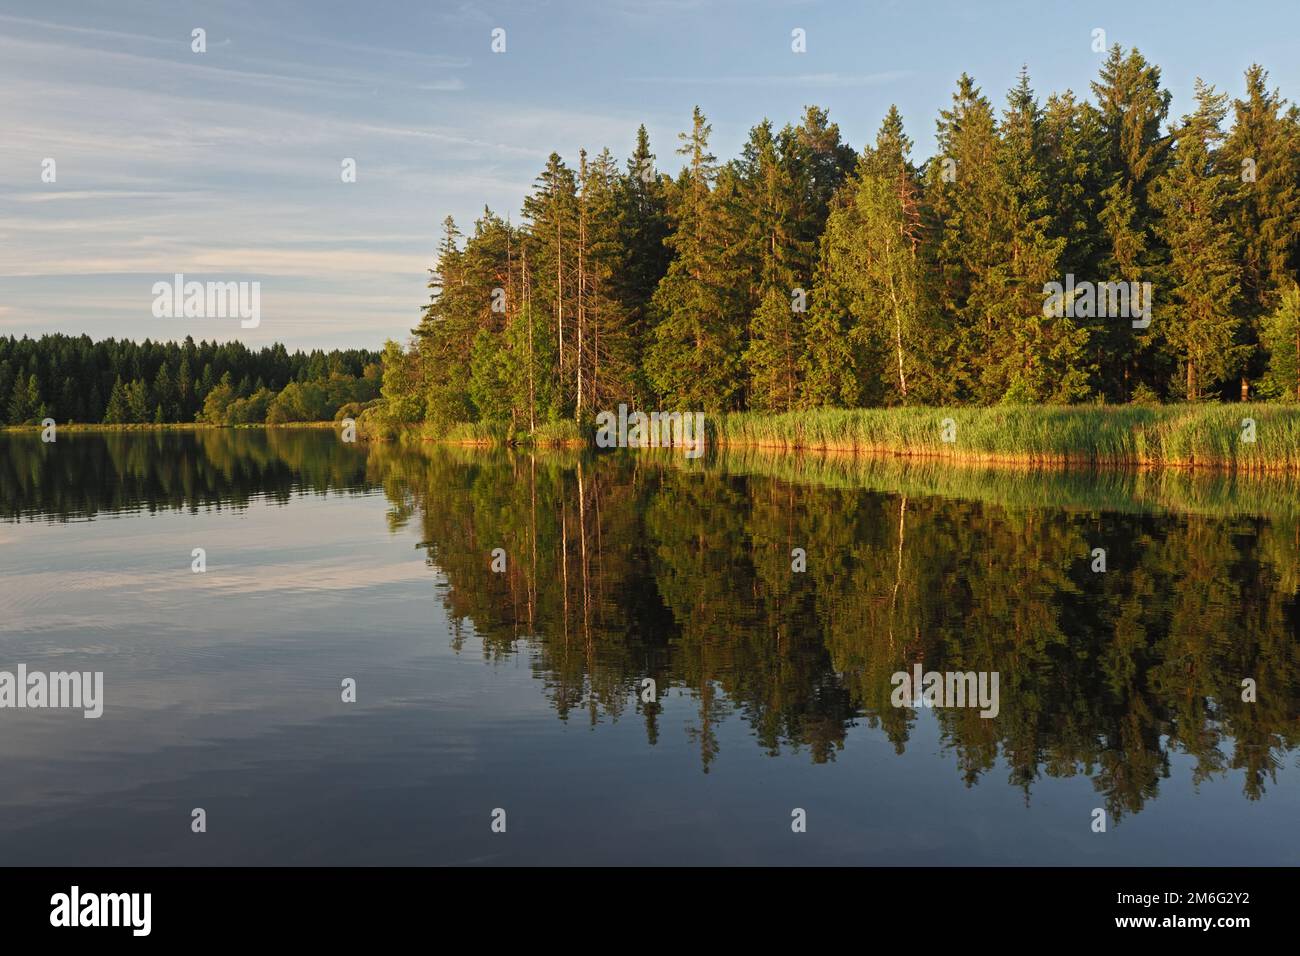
582, 296
559, 290
898, 324
528, 314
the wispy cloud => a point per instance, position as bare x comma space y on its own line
803, 80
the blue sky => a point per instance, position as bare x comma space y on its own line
225, 165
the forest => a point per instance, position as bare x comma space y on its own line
74, 379
804, 274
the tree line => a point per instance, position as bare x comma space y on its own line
75, 379
803, 274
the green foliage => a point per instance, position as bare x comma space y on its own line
1281, 337
923, 285
488, 378
1201, 319
694, 352
772, 359
76, 377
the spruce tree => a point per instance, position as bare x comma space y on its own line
551, 218
1200, 319
1032, 357
772, 358
644, 230
21, 408
967, 197
1281, 337
1132, 107
117, 413
693, 359
1263, 152
606, 357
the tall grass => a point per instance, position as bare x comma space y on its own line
478, 433
1179, 436
564, 432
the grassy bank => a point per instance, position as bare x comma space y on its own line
1204, 436
1174, 436
564, 434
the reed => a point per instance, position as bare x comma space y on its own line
1172, 436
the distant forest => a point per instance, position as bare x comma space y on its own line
74, 379
804, 274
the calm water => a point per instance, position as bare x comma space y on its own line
522, 690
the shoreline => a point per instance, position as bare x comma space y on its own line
1248, 438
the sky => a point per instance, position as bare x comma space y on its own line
226, 165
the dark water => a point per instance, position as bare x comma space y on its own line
522, 690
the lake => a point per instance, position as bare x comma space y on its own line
635, 658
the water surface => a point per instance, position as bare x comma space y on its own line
523, 689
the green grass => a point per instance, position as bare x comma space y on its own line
559, 433
1176, 436
478, 433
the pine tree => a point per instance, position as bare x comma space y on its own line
835, 361
1200, 320
530, 369
488, 381
1263, 151
185, 391
164, 394
35, 403
824, 163
694, 356
117, 413
21, 407
967, 197
1032, 358
469, 286
1281, 336
551, 215
6, 388
772, 359
1132, 108
607, 356
644, 230
1072, 142
871, 255
137, 401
